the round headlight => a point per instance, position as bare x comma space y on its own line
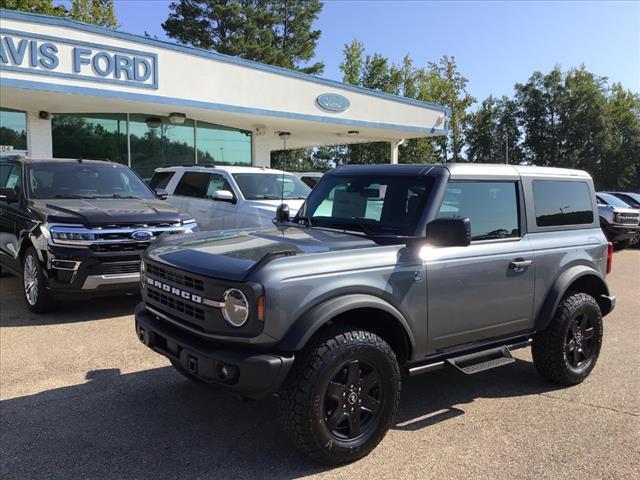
236, 307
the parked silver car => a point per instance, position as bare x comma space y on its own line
633, 200
619, 221
227, 197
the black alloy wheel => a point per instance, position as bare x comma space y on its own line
352, 400
580, 341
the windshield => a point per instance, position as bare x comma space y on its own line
269, 186
609, 199
78, 180
373, 204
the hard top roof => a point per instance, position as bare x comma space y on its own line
458, 169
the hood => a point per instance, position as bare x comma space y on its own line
234, 255
272, 205
107, 211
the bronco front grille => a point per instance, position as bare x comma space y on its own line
175, 277
175, 304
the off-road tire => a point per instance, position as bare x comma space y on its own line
185, 373
42, 302
634, 242
305, 395
621, 245
549, 348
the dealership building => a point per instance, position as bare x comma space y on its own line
69, 89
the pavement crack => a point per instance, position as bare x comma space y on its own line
568, 400
234, 444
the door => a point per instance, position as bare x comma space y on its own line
196, 190
486, 289
11, 216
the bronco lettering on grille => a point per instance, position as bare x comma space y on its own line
178, 292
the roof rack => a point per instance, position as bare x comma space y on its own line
205, 165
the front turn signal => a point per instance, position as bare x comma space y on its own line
261, 309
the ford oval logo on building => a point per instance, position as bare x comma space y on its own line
142, 235
333, 102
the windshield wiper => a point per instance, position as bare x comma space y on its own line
117, 195
70, 195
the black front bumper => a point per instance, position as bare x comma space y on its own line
249, 373
619, 233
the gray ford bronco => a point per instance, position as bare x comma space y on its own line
386, 271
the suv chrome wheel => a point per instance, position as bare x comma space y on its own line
30, 276
635, 240
352, 400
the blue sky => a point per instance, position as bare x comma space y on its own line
496, 43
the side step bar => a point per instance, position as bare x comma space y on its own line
475, 362
481, 361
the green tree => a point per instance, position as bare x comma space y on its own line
441, 82
621, 166
96, 12
45, 7
276, 32
491, 130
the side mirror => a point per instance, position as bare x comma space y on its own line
282, 213
161, 193
223, 196
449, 232
9, 195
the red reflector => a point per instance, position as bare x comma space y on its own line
609, 257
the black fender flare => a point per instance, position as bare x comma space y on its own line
560, 287
312, 320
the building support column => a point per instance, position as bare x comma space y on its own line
260, 151
39, 139
395, 151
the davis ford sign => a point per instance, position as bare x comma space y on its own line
58, 57
332, 102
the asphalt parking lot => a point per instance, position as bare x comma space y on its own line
81, 398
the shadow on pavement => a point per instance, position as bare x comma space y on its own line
155, 424
14, 312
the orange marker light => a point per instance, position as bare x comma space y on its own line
261, 309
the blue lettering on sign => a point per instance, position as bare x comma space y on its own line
46, 55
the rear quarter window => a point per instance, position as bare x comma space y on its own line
160, 179
562, 202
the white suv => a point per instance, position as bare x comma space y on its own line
224, 197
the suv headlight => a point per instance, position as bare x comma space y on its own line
66, 234
236, 307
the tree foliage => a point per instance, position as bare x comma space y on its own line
276, 32
96, 12
571, 119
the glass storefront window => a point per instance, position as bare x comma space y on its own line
222, 146
91, 136
156, 142
13, 130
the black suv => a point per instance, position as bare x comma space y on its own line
78, 226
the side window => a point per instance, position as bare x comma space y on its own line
559, 202
193, 184
13, 178
492, 208
160, 179
217, 182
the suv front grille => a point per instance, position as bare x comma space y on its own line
627, 218
119, 247
175, 277
175, 304
117, 268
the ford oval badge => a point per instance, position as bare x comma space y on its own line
333, 102
142, 235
